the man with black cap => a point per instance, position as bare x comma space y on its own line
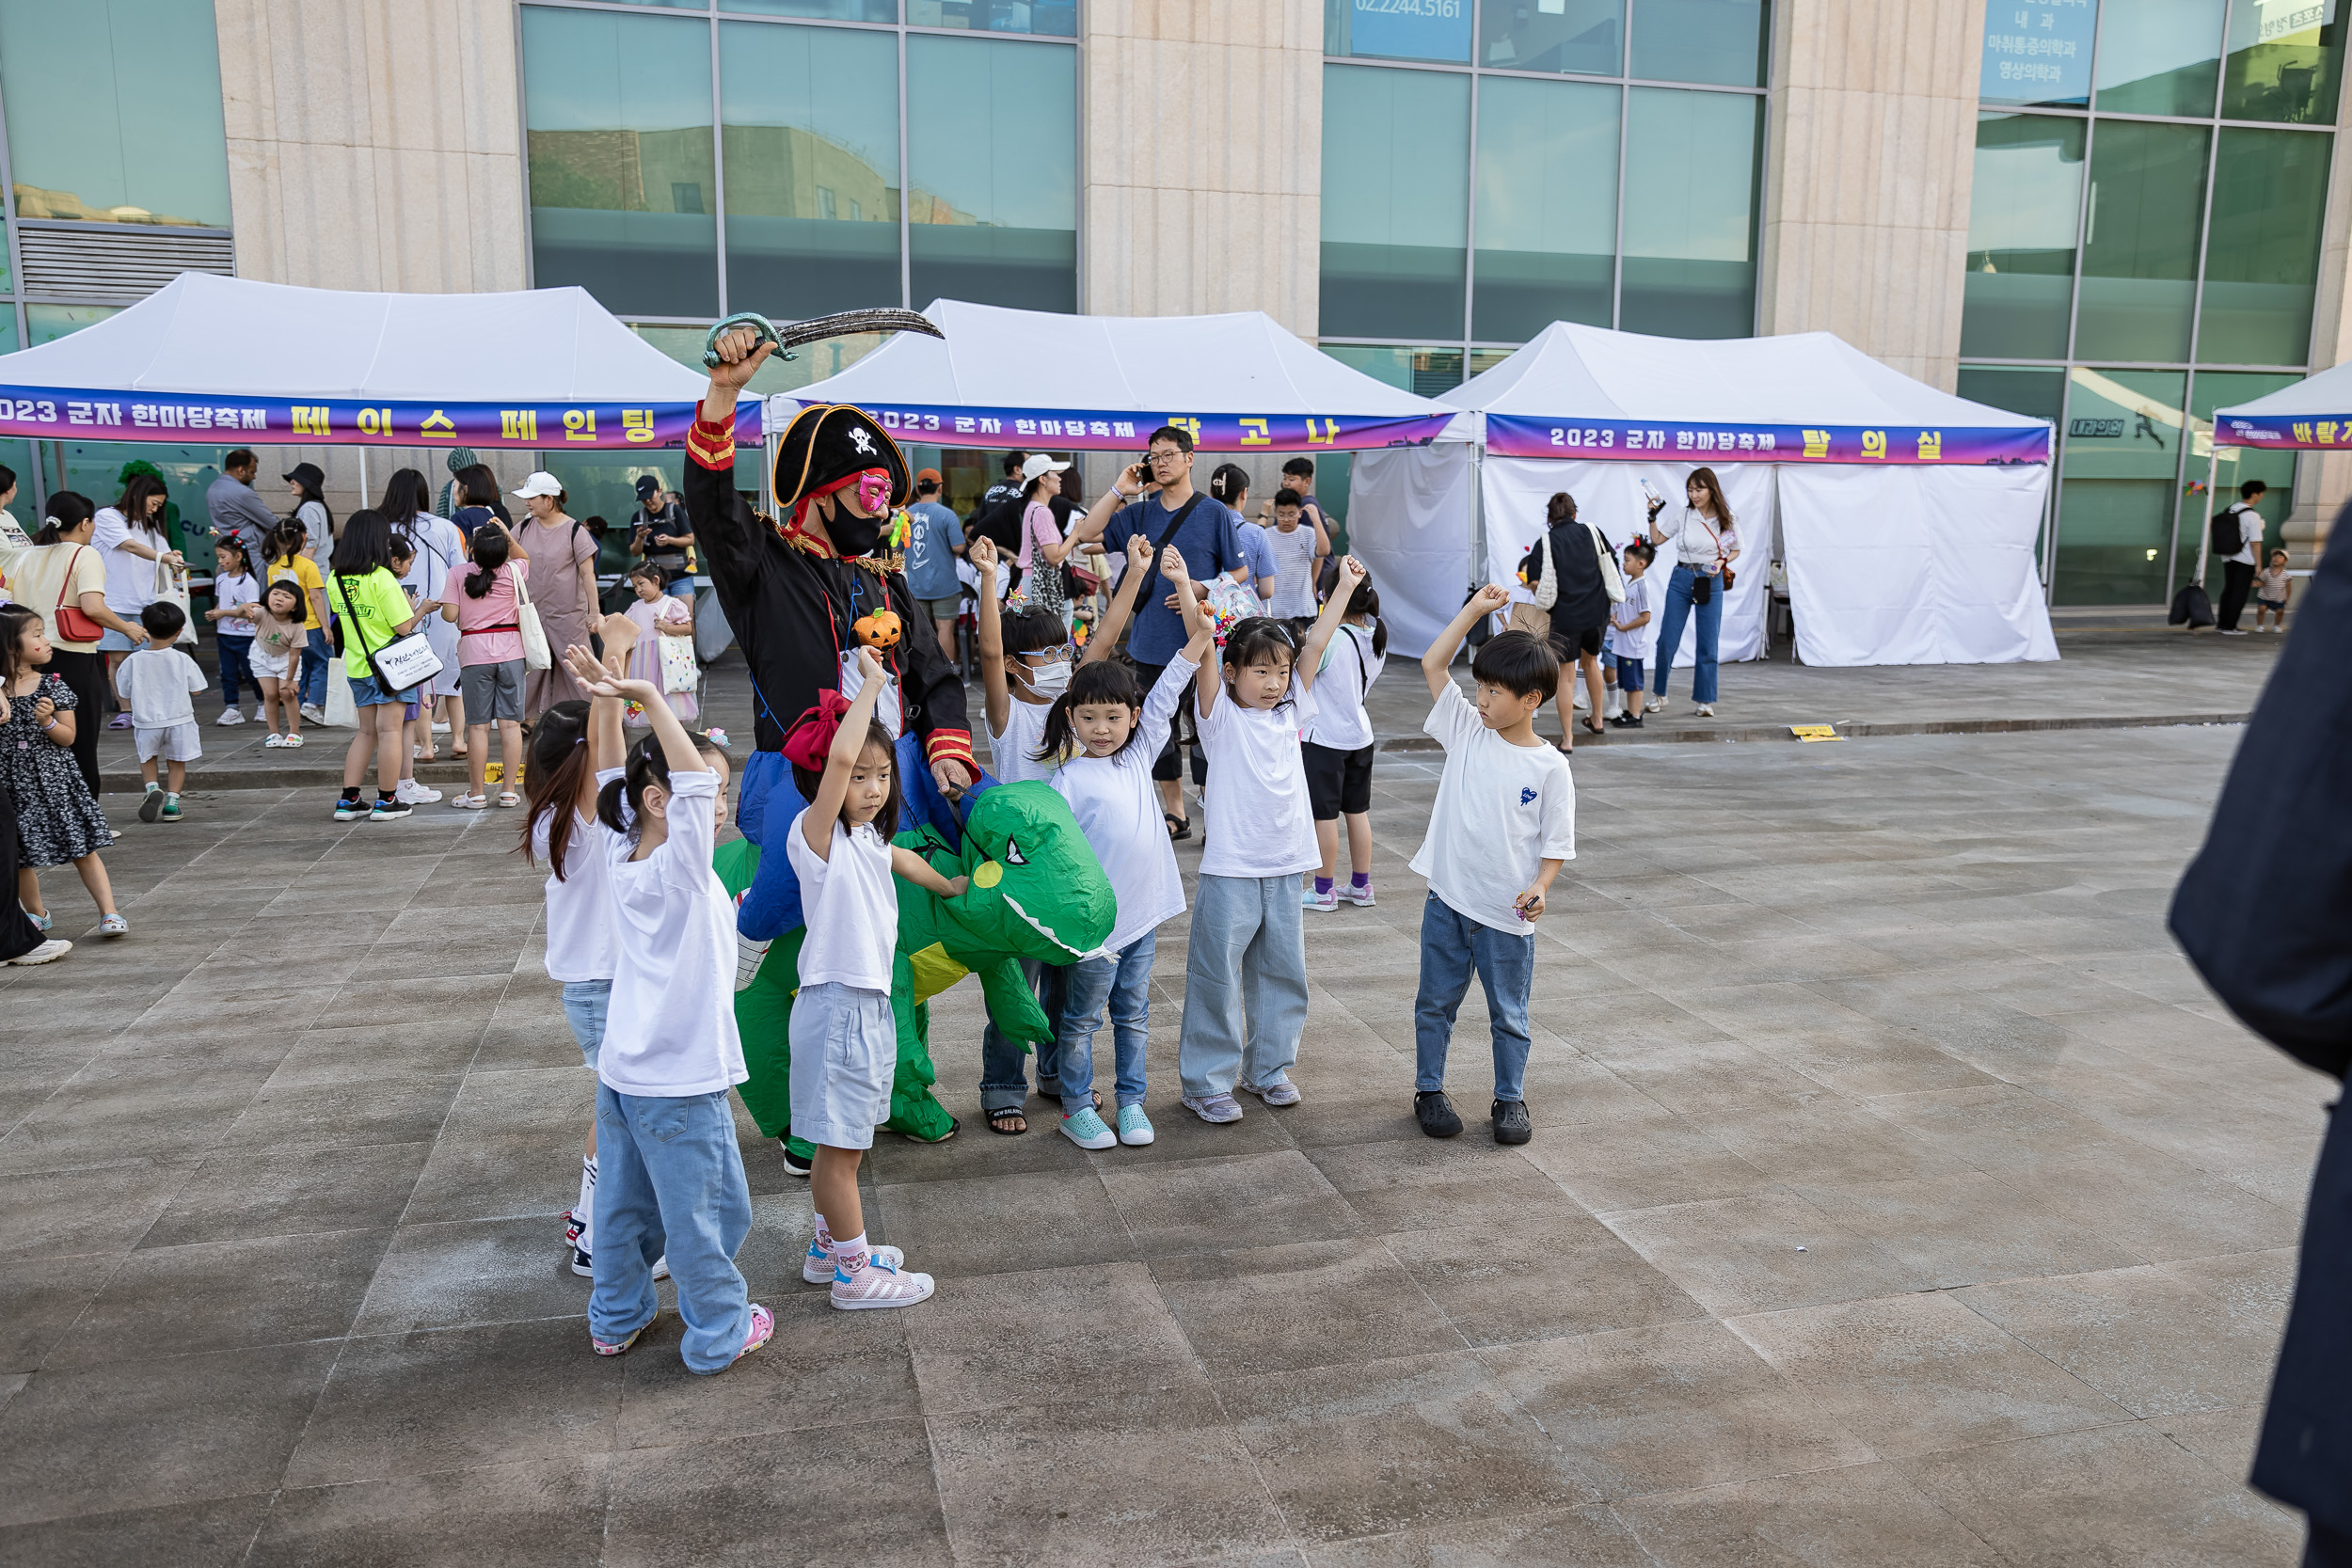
802, 595
659, 532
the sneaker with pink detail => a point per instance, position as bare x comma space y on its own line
817, 1267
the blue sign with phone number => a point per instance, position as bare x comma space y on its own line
1412, 29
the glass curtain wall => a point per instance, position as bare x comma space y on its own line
2144, 236
1491, 167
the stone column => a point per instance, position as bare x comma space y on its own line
374, 144
1868, 160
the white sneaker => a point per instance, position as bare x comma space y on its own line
48, 952
874, 1283
229, 715
314, 713
261, 715
415, 794
1704, 711
1658, 705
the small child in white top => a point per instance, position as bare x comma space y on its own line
670, 1178
845, 1041
159, 683
1246, 940
1104, 735
1504, 818
236, 603
1632, 633
1340, 750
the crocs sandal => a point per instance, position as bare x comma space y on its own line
508, 798
1179, 827
114, 926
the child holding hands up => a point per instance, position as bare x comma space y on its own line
1504, 818
845, 1042
1246, 965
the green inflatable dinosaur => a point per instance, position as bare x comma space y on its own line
1036, 892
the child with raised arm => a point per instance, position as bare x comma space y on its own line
1246, 965
1104, 736
1504, 820
669, 1177
845, 1042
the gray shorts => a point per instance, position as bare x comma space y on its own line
173, 744
942, 610
492, 692
845, 1046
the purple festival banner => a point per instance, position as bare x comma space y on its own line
48, 413
1078, 430
2294, 432
1620, 440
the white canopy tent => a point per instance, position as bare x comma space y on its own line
1240, 383
264, 363
1907, 518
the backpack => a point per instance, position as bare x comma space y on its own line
2222, 534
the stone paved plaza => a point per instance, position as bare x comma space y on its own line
1897, 1196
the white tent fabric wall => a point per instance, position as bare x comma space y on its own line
1915, 565
1408, 522
1609, 496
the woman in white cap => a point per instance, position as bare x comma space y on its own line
1043, 547
563, 556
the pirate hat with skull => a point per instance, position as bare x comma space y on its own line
833, 447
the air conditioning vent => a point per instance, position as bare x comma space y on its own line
116, 262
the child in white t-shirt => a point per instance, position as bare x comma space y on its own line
1339, 748
1632, 633
1246, 964
158, 683
1104, 736
236, 604
1504, 818
669, 1180
845, 1041
1024, 652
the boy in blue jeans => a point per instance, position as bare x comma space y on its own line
1504, 818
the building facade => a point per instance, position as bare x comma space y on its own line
2118, 214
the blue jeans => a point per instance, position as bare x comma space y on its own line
669, 1179
1679, 609
315, 652
1451, 946
236, 663
1003, 1070
1124, 980
584, 1005
1245, 985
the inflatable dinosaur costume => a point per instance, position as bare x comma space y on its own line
1037, 892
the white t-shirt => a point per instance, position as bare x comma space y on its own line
158, 683
1501, 810
1294, 570
850, 904
130, 578
1349, 668
579, 903
669, 1027
1117, 808
1260, 823
1009, 753
1641, 594
229, 590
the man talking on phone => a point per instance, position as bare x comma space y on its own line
1203, 530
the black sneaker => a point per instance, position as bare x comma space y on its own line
1627, 721
793, 1163
350, 811
386, 811
1511, 1123
1435, 1114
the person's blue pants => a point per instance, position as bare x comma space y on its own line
1452, 946
1004, 1064
1245, 985
1123, 979
670, 1178
236, 664
316, 651
1680, 607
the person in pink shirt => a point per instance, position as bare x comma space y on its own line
490, 660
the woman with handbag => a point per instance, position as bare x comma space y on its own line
63, 578
1043, 547
492, 659
374, 623
440, 553
1705, 544
565, 590
1572, 592
130, 538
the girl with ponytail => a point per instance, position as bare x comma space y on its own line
1339, 750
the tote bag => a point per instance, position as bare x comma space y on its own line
171, 583
679, 672
536, 654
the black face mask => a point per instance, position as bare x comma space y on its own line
851, 535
